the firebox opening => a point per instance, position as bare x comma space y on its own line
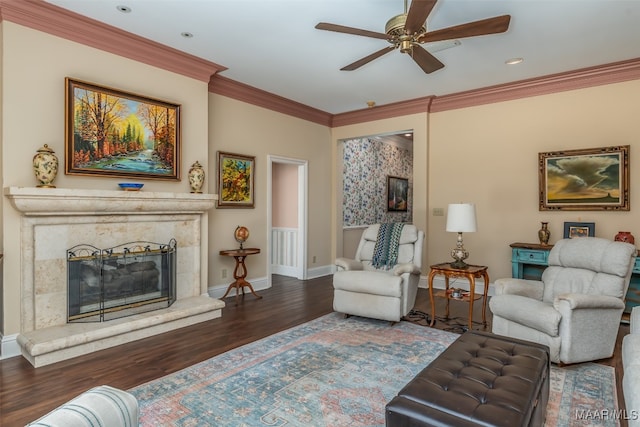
107, 284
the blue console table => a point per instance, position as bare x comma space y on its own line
528, 261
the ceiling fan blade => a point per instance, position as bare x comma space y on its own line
359, 63
498, 24
425, 60
417, 15
350, 30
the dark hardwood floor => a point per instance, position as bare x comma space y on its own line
27, 393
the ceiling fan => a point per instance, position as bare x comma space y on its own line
408, 30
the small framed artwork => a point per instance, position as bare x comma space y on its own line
584, 180
397, 194
114, 133
579, 229
236, 175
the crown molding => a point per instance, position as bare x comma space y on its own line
578, 79
251, 95
60, 22
386, 111
553, 83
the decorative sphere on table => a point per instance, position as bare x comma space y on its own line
241, 234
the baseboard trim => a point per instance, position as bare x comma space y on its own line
314, 273
9, 346
258, 284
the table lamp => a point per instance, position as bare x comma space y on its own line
461, 218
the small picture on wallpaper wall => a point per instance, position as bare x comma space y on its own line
397, 194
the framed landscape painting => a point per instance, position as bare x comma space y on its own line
118, 134
583, 180
236, 175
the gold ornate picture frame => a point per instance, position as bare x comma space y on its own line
584, 180
236, 177
114, 133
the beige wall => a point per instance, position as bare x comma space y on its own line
488, 155
246, 129
35, 65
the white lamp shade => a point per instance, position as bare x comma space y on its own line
461, 218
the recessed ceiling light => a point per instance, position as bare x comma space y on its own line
124, 9
408, 135
186, 35
514, 61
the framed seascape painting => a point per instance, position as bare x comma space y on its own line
579, 229
584, 180
397, 194
236, 175
119, 134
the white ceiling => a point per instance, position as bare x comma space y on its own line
273, 45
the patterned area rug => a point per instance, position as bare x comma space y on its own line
335, 372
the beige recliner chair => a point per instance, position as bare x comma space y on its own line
385, 293
576, 307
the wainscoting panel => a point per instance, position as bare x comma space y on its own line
284, 251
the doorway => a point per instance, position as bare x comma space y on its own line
287, 217
368, 165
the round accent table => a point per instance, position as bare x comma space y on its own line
240, 272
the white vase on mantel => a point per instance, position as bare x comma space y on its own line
196, 177
45, 167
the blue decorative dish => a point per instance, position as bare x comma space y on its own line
131, 186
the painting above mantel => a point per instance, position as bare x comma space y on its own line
114, 133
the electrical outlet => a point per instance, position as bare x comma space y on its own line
223, 273
314, 259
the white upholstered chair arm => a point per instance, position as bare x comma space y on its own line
348, 264
577, 301
523, 287
411, 268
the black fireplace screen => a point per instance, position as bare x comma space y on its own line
133, 278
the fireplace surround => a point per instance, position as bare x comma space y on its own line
54, 219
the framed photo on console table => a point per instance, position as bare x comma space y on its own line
579, 229
119, 134
584, 180
236, 176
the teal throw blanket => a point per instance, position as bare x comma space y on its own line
385, 252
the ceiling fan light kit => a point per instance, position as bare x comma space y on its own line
408, 31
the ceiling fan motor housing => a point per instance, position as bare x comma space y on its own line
395, 26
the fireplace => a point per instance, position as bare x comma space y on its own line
107, 284
53, 220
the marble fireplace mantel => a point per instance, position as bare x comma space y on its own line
56, 219
66, 201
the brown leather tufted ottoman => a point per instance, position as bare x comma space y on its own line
482, 379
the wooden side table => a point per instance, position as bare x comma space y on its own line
240, 272
471, 273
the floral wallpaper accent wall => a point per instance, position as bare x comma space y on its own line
366, 164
